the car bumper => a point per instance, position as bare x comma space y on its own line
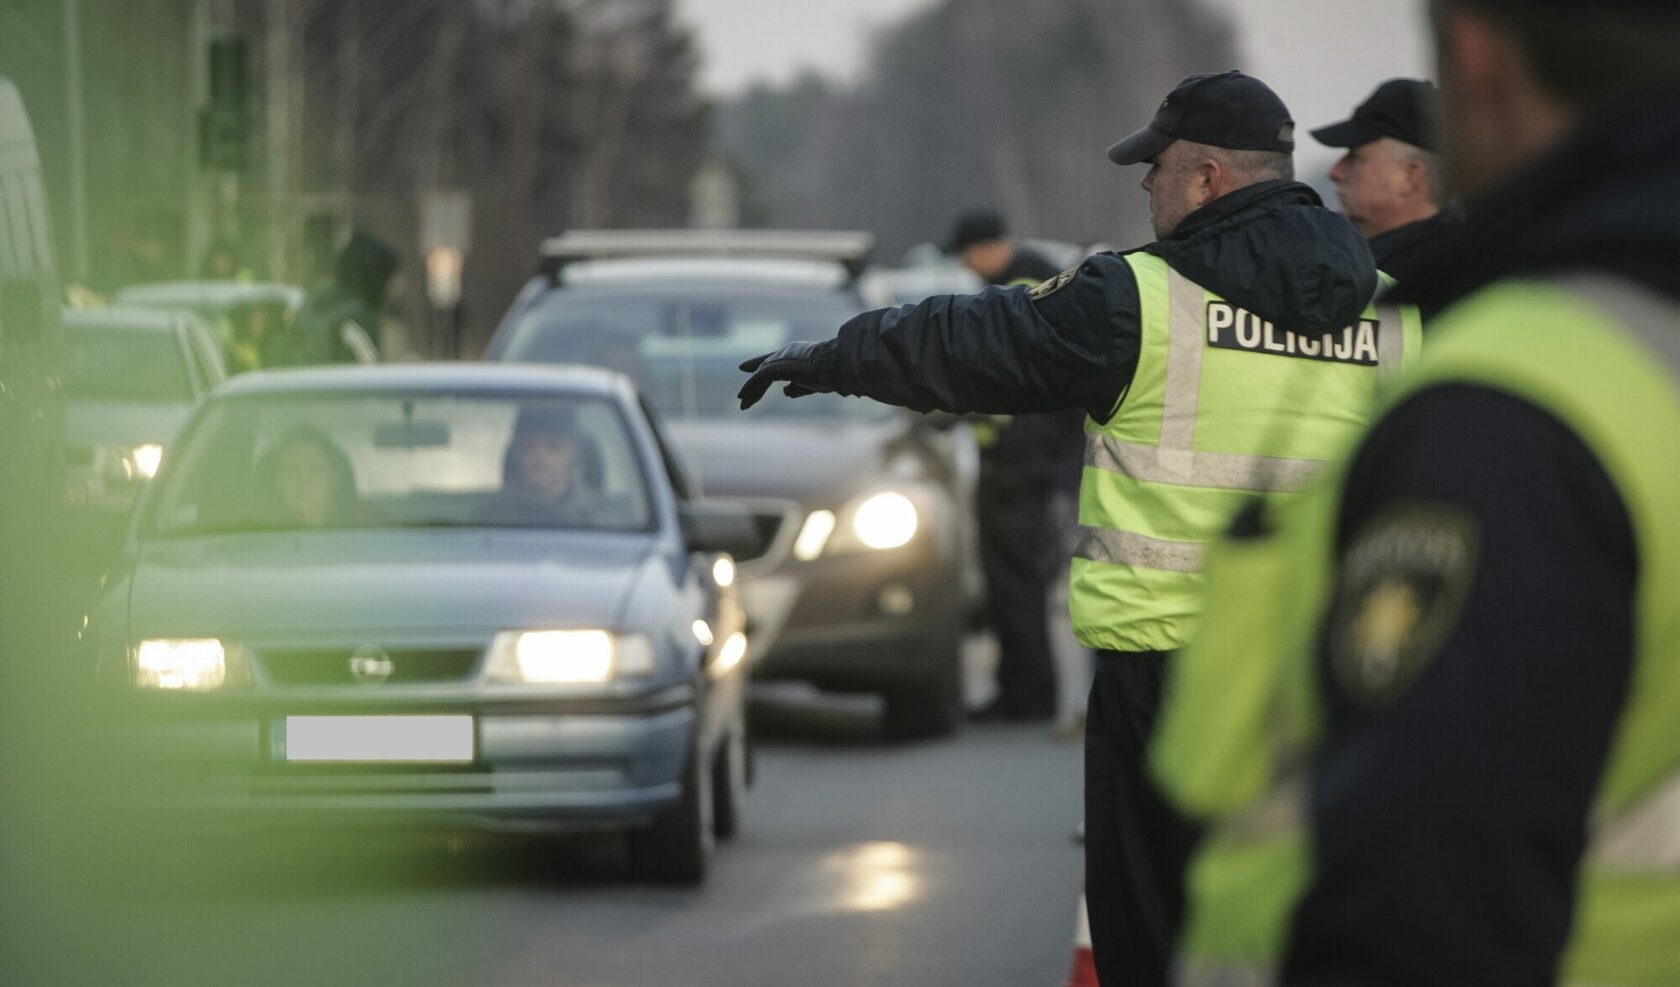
563, 769
865, 622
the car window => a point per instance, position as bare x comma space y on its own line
125, 365
395, 461
684, 352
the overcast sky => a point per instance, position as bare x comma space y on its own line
1322, 56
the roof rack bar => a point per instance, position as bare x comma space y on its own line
849, 248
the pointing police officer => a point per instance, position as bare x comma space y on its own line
1455, 753
1391, 181
1184, 427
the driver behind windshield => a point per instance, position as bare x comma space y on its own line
549, 473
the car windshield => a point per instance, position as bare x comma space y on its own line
685, 352
124, 365
404, 461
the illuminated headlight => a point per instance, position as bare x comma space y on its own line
568, 657
723, 571
181, 665
886, 520
146, 460
813, 536
134, 463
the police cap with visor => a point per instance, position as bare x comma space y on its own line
1228, 109
1400, 108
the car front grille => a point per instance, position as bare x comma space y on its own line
332, 666
78, 457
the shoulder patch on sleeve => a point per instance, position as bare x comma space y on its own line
1053, 285
1401, 586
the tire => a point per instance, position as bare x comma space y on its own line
677, 847
932, 707
729, 783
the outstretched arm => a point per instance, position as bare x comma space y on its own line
1070, 343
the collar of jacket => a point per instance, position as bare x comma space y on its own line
1397, 240
1273, 249
1604, 199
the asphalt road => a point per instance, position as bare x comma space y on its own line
862, 862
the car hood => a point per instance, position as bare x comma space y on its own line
814, 463
325, 582
126, 423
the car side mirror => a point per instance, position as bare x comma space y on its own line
721, 526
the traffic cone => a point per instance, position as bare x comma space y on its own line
1083, 972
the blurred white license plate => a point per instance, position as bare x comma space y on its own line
414, 739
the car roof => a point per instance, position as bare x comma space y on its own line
814, 275
126, 318
440, 377
216, 293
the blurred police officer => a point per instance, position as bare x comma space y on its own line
1470, 769
1391, 182
1020, 459
1232, 355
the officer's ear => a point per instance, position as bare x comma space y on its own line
1209, 181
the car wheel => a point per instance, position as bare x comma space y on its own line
675, 849
932, 707
729, 783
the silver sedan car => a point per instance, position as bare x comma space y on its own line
449, 596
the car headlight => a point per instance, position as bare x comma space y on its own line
181, 664
886, 520
568, 657
139, 463
146, 460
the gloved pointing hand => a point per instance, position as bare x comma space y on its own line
807, 367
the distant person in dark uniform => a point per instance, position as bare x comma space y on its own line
343, 323
1021, 459
1392, 182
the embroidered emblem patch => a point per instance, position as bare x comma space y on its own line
1401, 587
1053, 285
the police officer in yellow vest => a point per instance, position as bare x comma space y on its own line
1447, 750
1231, 356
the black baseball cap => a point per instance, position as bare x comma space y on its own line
1403, 109
1228, 109
977, 226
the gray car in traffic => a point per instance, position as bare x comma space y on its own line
441, 596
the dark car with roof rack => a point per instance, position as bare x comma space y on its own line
867, 576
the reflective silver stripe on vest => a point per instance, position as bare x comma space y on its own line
1646, 315
1130, 548
1391, 340
1186, 339
1644, 838
1223, 471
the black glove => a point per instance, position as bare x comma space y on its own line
807, 367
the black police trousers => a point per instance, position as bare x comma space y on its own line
1018, 558
1137, 847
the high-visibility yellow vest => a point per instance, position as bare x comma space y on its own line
1244, 714
1223, 406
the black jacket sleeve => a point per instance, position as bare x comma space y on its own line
1449, 818
1001, 351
